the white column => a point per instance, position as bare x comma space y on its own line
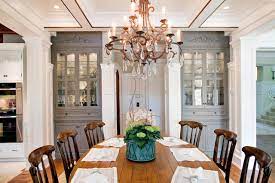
242, 94
173, 99
108, 90
37, 102
108, 99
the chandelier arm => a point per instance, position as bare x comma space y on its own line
158, 57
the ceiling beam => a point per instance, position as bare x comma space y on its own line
206, 13
77, 13
5, 30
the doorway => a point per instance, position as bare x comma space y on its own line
265, 90
118, 103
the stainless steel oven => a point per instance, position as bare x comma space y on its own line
10, 128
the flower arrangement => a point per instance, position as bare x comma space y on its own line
141, 132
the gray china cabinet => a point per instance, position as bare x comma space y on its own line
77, 96
204, 83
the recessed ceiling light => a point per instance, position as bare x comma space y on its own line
226, 7
56, 7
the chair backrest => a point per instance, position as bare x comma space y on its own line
36, 159
94, 132
262, 161
224, 150
68, 148
195, 133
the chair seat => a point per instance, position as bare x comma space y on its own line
62, 178
223, 174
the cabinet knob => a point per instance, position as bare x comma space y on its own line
77, 126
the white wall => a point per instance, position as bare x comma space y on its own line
154, 97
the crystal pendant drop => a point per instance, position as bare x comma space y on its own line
169, 56
134, 73
149, 71
154, 67
138, 69
142, 54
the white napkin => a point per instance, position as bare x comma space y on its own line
172, 141
188, 154
102, 154
194, 175
113, 142
95, 175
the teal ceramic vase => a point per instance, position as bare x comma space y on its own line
135, 153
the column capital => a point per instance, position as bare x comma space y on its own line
174, 66
34, 39
109, 66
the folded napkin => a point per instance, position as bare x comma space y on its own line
95, 175
113, 142
102, 154
172, 141
194, 175
188, 154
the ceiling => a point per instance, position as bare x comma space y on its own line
83, 15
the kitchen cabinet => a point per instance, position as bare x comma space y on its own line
11, 62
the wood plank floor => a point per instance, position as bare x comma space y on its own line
25, 177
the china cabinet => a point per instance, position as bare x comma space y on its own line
77, 84
204, 83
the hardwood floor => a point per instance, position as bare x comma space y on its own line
25, 177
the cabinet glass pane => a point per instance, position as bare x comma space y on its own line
197, 64
83, 57
210, 66
188, 99
71, 100
71, 73
210, 85
61, 100
93, 93
60, 70
92, 69
83, 90
187, 66
71, 88
220, 65
60, 57
220, 92
83, 69
187, 56
93, 57
61, 88
198, 92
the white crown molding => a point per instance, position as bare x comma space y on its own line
263, 17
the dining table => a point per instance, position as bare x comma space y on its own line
160, 170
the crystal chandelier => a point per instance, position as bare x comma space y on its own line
141, 44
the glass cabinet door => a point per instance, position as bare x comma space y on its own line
77, 79
203, 74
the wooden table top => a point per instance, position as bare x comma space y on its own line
159, 170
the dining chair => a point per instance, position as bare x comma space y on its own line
68, 148
94, 132
194, 136
36, 159
261, 167
224, 150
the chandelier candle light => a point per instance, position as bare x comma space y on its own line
140, 43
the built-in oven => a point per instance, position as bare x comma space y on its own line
8, 113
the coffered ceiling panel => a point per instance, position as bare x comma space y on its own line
104, 13
231, 13
53, 13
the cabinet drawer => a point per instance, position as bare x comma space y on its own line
11, 150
